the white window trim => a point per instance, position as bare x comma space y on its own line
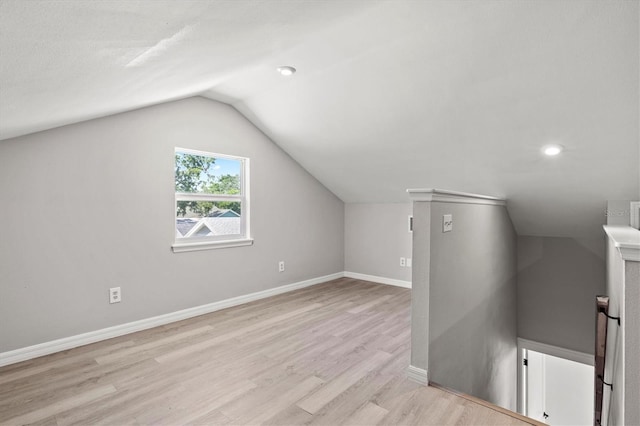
181, 245
209, 245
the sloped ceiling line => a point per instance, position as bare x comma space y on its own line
388, 95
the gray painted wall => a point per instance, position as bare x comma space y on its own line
472, 331
618, 212
90, 206
620, 406
632, 343
558, 280
471, 301
612, 404
420, 285
376, 236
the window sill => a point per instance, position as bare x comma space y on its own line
210, 245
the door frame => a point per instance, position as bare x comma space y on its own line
546, 349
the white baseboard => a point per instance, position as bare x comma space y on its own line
23, 354
418, 375
379, 280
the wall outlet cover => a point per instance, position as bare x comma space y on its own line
115, 295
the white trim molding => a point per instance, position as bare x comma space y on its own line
446, 196
626, 239
23, 354
418, 375
208, 245
379, 280
556, 351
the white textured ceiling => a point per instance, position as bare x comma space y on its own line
389, 95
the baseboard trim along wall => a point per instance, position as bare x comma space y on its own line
418, 375
30, 352
46, 348
379, 280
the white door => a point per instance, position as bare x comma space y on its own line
535, 385
559, 391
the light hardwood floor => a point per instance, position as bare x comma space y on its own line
335, 353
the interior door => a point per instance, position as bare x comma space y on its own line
535, 385
559, 391
568, 392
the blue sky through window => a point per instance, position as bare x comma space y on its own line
225, 166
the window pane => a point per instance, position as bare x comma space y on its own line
207, 175
207, 218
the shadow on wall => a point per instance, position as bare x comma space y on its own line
558, 279
450, 350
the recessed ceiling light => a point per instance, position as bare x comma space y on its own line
286, 70
552, 150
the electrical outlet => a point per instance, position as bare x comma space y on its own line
281, 266
447, 223
403, 261
408, 262
115, 295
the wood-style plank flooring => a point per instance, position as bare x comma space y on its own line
335, 353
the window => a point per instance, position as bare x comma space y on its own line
211, 202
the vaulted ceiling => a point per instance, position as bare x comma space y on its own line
389, 95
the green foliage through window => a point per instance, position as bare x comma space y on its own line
200, 174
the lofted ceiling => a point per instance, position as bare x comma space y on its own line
389, 95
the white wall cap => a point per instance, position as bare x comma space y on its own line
626, 239
446, 196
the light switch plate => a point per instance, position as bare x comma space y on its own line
447, 223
